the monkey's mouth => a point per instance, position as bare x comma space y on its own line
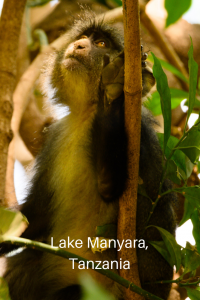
74, 57
75, 61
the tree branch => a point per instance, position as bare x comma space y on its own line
65, 254
164, 45
10, 25
133, 93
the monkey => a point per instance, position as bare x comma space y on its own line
81, 171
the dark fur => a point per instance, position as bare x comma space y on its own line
32, 275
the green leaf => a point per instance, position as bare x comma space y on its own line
175, 12
192, 194
172, 172
118, 2
180, 159
196, 107
165, 98
4, 291
190, 258
193, 294
191, 144
189, 167
169, 67
193, 72
107, 231
162, 249
142, 191
195, 218
92, 290
177, 96
188, 210
173, 248
34, 3
12, 223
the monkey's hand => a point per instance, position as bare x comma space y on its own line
148, 80
113, 79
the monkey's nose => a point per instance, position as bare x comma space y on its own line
80, 47
82, 44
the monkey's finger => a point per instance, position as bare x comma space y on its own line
144, 55
144, 64
109, 73
114, 91
118, 62
112, 70
120, 76
121, 54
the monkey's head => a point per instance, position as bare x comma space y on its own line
76, 70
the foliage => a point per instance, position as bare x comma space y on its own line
179, 159
165, 98
34, 3
4, 292
92, 290
105, 2
175, 13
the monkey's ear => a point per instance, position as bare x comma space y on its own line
148, 80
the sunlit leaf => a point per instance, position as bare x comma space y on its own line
188, 210
92, 290
191, 260
4, 291
193, 72
193, 294
170, 68
12, 223
175, 12
196, 107
177, 96
34, 3
165, 98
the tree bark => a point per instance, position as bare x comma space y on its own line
133, 93
10, 25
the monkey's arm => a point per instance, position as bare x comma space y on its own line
108, 134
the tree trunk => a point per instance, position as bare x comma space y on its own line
10, 25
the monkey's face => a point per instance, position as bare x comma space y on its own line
79, 66
85, 58
86, 53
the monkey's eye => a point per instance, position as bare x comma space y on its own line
83, 37
101, 43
